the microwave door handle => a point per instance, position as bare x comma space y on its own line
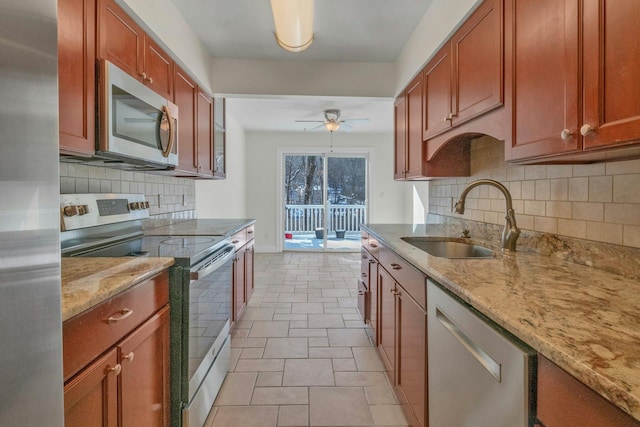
167, 151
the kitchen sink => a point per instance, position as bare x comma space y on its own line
449, 247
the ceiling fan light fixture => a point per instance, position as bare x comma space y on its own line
293, 20
332, 126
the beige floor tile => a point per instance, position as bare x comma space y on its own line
354, 324
325, 321
212, 414
271, 379
234, 357
338, 406
290, 348
246, 416
248, 342
293, 416
351, 317
368, 359
280, 396
335, 293
359, 379
259, 365
255, 313
344, 365
330, 352
294, 316
388, 415
340, 310
347, 302
308, 372
269, 329
307, 307
251, 353
298, 324
236, 389
379, 395
307, 332
348, 338
318, 341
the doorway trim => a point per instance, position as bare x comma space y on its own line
281, 152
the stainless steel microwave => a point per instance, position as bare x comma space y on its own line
136, 125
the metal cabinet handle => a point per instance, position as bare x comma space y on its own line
364, 274
128, 357
360, 292
395, 266
373, 245
116, 369
372, 261
120, 315
143, 75
365, 257
149, 80
566, 134
235, 241
172, 141
476, 351
249, 231
586, 130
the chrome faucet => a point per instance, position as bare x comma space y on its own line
511, 231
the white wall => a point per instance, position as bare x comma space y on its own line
441, 19
226, 198
387, 196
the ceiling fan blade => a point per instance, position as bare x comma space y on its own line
309, 121
345, 127
321, 125
357, 120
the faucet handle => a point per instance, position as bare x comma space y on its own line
465, 233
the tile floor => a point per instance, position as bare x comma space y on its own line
300, 355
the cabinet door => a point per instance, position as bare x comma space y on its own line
414, 129
76, 76
248, 260
611, 68
541, 85
91, 397
186, 97
120, 40
373, 298
204, 134
438, 92
400, 137
158, 69
412, 355
219, 138
239, 283
478, 66
387, 304
144, 387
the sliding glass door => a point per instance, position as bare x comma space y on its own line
325, 201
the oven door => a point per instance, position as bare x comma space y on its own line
209, 318
136, 124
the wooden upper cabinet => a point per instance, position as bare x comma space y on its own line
219, 138
400, 137
414, 143
158, 68
186, 97
478, 68
438, 92
122, 42
542, 86
204, 133
611, 66
76, 76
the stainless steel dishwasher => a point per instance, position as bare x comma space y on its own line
479, 375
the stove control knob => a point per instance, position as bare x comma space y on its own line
70, 210
146, 205
83, 209
134, 206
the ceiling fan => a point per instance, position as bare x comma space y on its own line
333, 122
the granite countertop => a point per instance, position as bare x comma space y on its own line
202, 227
585, 320
89, 281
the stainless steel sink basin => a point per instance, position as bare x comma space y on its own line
449, 247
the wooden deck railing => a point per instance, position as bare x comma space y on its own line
306, 218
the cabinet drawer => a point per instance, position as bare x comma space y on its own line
373, 246
89, 334
239, 239
250, 232
412, 280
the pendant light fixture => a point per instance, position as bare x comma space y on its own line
293, 20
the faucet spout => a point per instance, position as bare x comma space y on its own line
511, 231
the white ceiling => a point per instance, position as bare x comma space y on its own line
345, 31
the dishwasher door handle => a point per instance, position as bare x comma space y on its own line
476, 351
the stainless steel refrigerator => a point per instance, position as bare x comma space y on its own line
30, 323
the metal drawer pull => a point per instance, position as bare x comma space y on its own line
373, 245
235, 241
476, 351
360, 292
249, 231
364, 274
395, 266
121, 315
117, 369
128, 357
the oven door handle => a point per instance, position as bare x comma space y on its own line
205, 268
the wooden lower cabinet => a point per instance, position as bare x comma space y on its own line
128, 383
565, 401
403, 346
248, 268
239, 283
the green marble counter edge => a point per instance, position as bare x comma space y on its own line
583, 319
87, 282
